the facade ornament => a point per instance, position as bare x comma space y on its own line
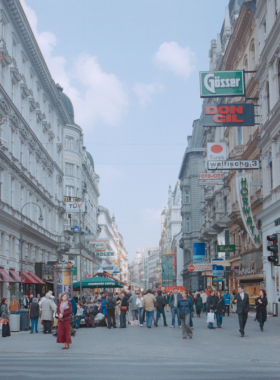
4, 55
25, 92
14, 120
23, 132
51, 135
32, 105
40, 116
4, 106
59, 147
46, 126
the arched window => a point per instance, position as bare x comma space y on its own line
245, 62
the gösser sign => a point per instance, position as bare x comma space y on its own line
221, 83
75, 207
228, 115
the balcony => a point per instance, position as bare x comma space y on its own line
220, 221
209, 193
207, 232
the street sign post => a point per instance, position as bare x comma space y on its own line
217, 84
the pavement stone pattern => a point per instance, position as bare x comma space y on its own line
222, 349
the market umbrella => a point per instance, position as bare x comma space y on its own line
98, 282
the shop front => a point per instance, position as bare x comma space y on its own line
250, 274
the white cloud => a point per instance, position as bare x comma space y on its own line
172, 57
102, 97
145, 91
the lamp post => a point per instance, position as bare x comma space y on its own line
23, 313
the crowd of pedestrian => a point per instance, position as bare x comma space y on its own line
118, 309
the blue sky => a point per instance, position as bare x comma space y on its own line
131, 69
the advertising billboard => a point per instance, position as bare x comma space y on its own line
221, 83
228, 115
199, 254
75, 207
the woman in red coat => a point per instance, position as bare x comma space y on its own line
64, 310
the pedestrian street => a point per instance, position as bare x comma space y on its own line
137, 352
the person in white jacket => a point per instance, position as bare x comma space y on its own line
139, 304
204, 300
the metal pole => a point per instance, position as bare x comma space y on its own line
21, 284
81, 287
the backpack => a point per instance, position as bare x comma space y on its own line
110, 305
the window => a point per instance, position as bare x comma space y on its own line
267, 99
270, 170
188, 224
69, 169
12, 142
1, 183
69, 191
21, 152
279, 77
239, 135
253, 55
69, 143
246, 63
21, 196
12, 191
188, 197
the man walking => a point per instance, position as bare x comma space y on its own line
242, 301
160, 308
148, 303
173, 302
48, 308
110, 307
226, 298
211, 306
204, 300
133, 306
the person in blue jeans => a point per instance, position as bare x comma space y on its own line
173, 303
220, 309
34, 315
79, 315
148, 302
211, 306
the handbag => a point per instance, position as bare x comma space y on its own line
4, 321
182, 314
123, 308
210, 317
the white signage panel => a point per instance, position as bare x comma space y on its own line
216, 151
235, 165
75, 207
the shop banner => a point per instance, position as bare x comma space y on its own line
221, 83
228, 115
199, 253
226, 248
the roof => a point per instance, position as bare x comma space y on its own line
67, 102
90, 159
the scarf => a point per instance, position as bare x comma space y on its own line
63, 306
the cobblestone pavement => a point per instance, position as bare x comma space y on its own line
151, 353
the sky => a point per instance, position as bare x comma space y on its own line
131, 69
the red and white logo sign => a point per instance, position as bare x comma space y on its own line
199, 267
216, 151
211, 176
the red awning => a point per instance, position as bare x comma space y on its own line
28, 279
41, 282
5, 275
14, 274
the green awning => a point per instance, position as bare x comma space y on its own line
98, 282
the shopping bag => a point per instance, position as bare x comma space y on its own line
210, 318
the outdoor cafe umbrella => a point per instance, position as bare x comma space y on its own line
98, 282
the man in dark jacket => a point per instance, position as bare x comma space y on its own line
242, 301
173, 303
110, 304
166, 299
211, 306
160, 308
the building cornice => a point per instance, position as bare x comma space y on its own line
186, 156
25, 33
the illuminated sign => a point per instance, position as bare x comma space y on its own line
228, 115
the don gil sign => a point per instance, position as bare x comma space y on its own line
226, 115
221, 83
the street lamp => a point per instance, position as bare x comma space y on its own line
22, 311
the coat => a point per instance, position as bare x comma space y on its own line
48, 308
242, 306
171, 300
220, 306
166, 299
226, 298
261, 308
149, 301
34, 310
160, 302
14, 306
185, 306
5, 311
198, 304
211, 303
64, 329
132, 302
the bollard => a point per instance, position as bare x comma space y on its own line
275, 309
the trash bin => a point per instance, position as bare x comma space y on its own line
14, 322
275, 309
